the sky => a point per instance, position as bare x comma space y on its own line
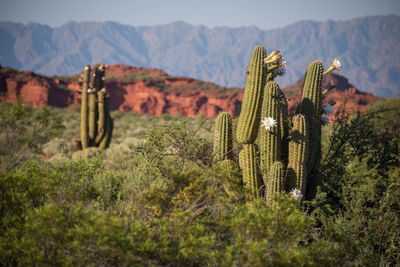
264, 14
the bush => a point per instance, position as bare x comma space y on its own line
23, 131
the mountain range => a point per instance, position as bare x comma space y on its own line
368, 48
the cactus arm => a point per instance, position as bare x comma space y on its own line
109, 125
249, 120
270, 140
310, 107
249, 165
275, 182
101, 123
84, 108
297, 155
93, 109
223, 137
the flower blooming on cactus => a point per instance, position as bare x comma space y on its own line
328, 109
89, 90
296, 194
103, 90
268, 123
273, 59
273, 53
325, 119
103, 78
336, 65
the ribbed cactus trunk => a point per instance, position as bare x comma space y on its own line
84, 108
249, 117
284, 125
275, 182
101, 123
96, 123
298, 145
223, 137
270, 140
249, 165
310, 107
93, 108
109, 124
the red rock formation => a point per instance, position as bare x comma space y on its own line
152, 91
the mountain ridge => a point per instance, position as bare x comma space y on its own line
152, 91
366, 46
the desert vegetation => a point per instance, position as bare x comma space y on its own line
168, 190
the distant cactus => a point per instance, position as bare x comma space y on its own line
84, 108
96, 123
223, 137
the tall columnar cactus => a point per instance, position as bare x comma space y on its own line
288, 157
109, 124
93, 109
248, 164
275, 182
96, 123
298, 146
84, 108
310, 107
249, 119
223, 137
270, 139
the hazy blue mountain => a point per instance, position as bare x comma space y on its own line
368, 47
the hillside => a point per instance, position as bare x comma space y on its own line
366, 46
152, 91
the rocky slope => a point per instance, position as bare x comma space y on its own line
368, 48
152, 91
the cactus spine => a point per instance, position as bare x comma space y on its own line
298, 154
248, 164
96, 123
84, 108
249, 120
223, 137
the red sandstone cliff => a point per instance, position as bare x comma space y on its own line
154, 92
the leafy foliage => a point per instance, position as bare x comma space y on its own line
154, 198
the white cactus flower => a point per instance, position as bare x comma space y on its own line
328, 109
89, 90
268, 123
103, 78
325, 119
296, 194
336, 64
86, 67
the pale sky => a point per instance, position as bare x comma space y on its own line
264, 14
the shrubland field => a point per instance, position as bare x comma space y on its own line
155, 197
